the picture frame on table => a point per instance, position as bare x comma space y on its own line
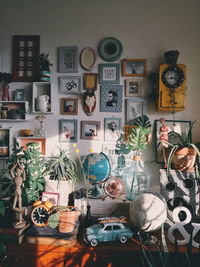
70, 84
19, 95
111, 98
135, 107
68, 130
68, 59
90, 130
133, 67
51, 196
69, 106
90, 81
109, 73
133, 87
112, 129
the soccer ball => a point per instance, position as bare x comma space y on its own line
148, 212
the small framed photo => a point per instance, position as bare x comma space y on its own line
127, 131
19, 95
68, 59
69, 106
109, 73
133, 87
90, 130
135, 107
90, 81
52, 197
112, 127
70, 85
68, 130
133, 67
111, 98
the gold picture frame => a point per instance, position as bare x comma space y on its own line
133, 67
69, 106
90, 81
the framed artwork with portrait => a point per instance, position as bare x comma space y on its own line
69, 106
133, 87
90, 130
109, 73
68, 130
112, 129
70, 85
133, 67
111, 98
68, 59
19, 95
135, 107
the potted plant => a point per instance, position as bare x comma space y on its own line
183, 154
65, 218
61, 175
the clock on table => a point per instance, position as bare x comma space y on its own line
40, 213
171, 84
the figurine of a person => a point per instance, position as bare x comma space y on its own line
17, 173
163, 133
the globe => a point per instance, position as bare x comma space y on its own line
96, 167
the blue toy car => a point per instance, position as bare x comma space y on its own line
108, 229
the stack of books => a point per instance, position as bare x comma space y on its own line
13, 236
46, 235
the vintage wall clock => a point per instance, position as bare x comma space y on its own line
40, 212
171, 87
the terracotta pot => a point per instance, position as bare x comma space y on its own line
67, 221
184, 159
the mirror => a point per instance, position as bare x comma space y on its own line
180, 127
88, 58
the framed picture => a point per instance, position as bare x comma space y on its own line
68, 130
135, 107
111, 98
127, 131
112, 127
90, 81
88, 59
26, 50
133, 67
52, 197
133, 87
109, 73
70, 85
19, 95
180, 127
69, 106
68, 59
90, 130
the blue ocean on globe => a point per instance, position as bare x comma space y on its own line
96, 167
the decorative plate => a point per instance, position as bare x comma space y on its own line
88, 58
110, 49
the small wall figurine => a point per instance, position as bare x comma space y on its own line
17, 173
89, 102
43, 67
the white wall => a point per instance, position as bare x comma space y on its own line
146, 29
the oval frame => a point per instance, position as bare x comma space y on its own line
93, 58
110, 49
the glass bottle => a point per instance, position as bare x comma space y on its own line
136, 178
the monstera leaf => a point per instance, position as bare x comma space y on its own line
137, 140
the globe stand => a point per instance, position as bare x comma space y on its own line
96, 192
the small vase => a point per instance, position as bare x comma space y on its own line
136, 178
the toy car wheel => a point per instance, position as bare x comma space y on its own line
123, 239
94, 242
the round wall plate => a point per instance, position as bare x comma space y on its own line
110, 49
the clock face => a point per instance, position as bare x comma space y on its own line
40, 215
173, 77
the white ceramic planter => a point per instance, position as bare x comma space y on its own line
64, 188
